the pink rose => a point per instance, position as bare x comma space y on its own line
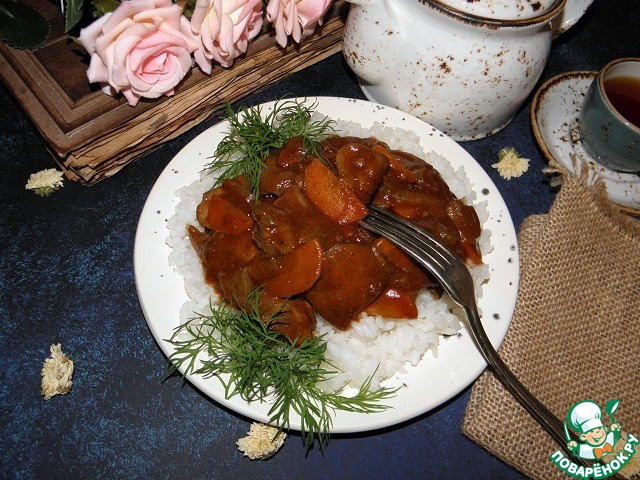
297, 18
142, 49
223, 29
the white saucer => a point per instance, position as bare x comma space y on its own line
554, 119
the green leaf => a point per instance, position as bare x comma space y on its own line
100, 7
72, 13
258, 364
21, 26
252, 138
188, 8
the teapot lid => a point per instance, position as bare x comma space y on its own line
501, 9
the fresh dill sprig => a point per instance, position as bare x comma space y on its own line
253, 135
257, 363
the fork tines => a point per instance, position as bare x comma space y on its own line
436, 257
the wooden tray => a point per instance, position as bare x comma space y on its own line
92, 135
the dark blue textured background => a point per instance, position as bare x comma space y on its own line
66, 275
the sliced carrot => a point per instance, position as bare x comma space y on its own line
408, 212
393, 303
408, 276
396, 256
331, 195
299, 270
396, 165
474, 257
226, 218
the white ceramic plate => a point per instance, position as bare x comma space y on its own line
434, 380
554, 118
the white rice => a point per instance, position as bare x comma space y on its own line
373, 344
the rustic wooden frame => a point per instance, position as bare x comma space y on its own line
92, 135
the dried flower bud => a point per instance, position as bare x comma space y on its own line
262, 442
45, 182
56, 373
510, 163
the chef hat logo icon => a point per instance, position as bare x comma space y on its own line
585, 416
595, 439
602, 449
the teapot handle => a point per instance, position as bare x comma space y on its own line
572, 12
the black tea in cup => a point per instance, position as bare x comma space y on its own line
624, 95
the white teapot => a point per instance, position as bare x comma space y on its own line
464, 66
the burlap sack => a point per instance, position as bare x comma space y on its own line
575, 334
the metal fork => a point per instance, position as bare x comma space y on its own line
456, 279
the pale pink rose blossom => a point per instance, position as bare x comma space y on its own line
223, 29
295, 18
142, 49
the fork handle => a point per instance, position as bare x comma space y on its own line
554, 426
551, 423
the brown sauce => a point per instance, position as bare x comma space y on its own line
303, 245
